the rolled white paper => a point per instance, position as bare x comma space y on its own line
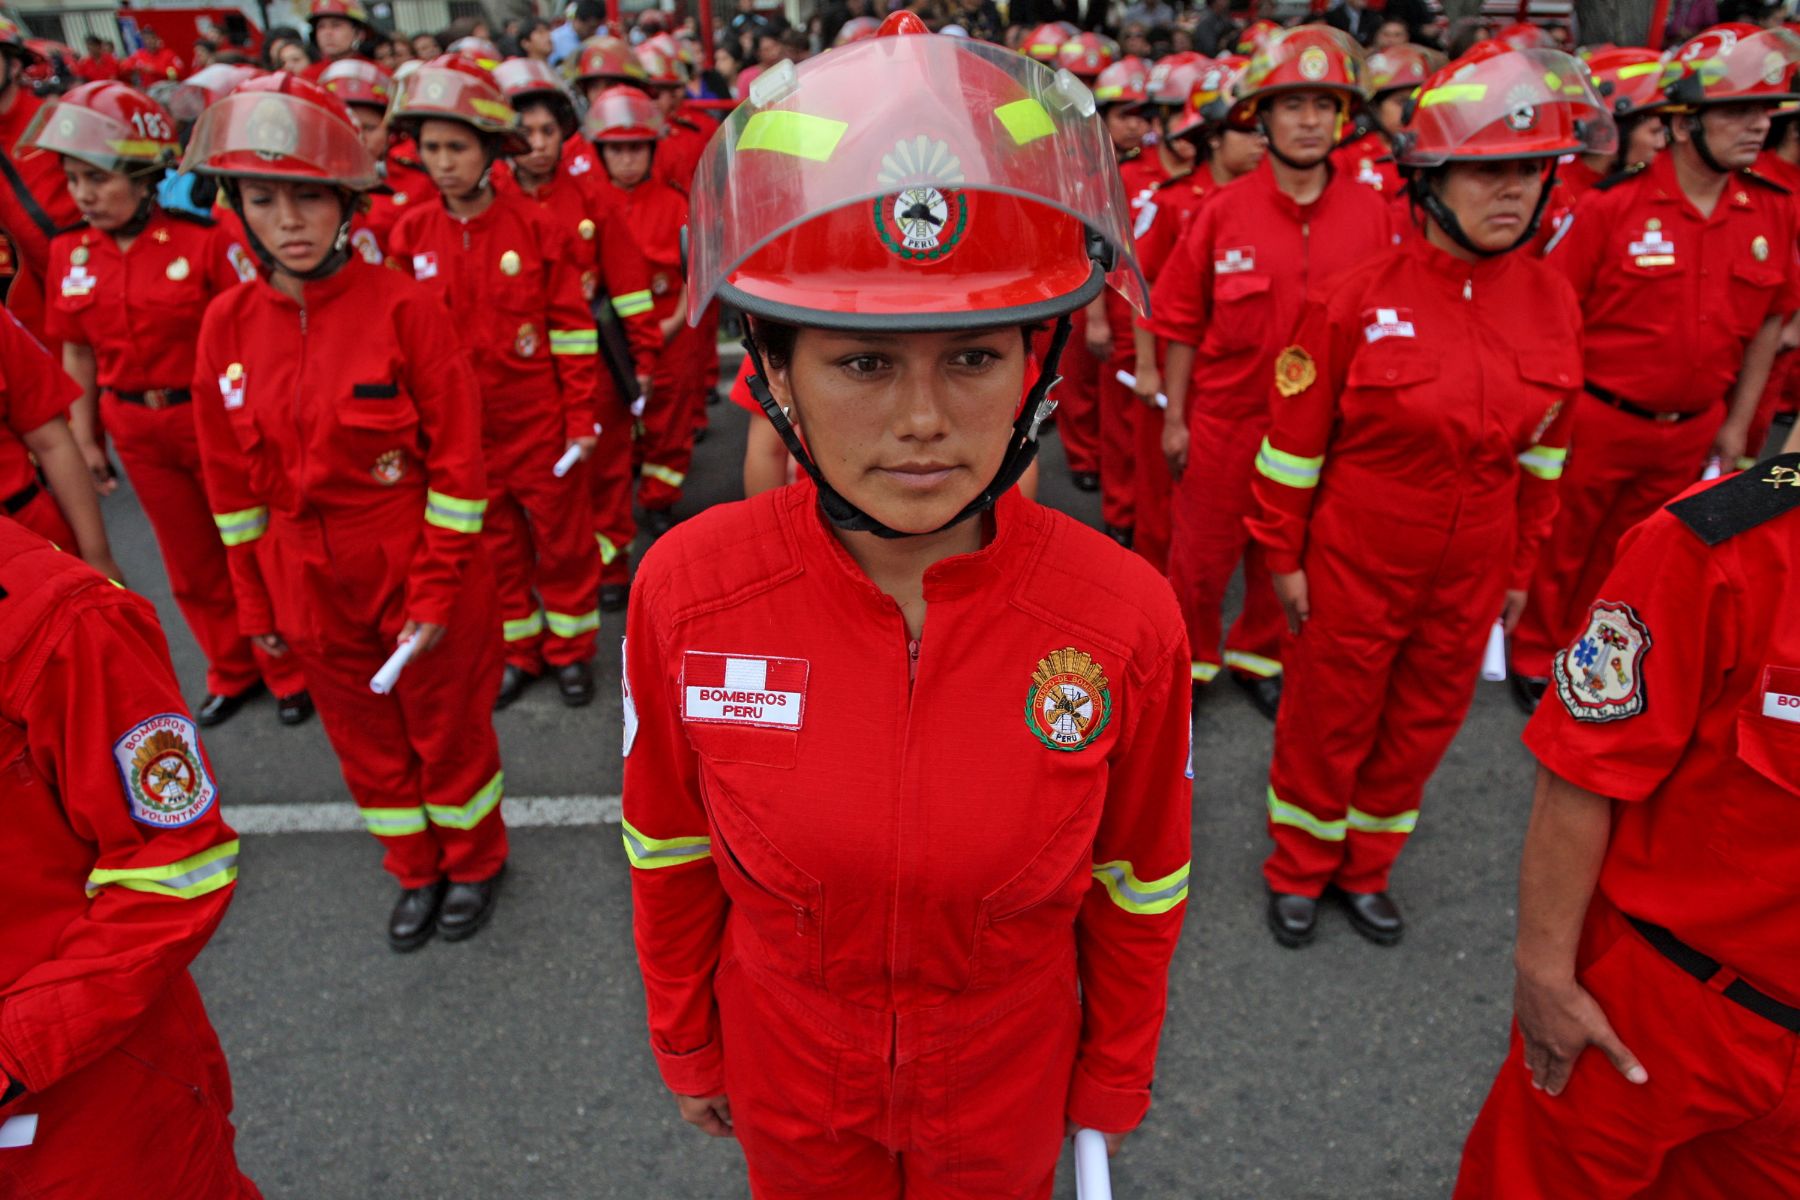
1130, 381
637, 406
567, 462
1093, 1178
1714, 469
384, 680
1493, 660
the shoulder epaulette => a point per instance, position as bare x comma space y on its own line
190, 216
1741, 503
1751, 175
1618, 177
1173, 180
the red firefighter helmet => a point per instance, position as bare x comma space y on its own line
858, 28
206, 87
1126, 83
13, 41
1173, 77
608, 60
1307, 58
358, 81
910, 182
1628, 78
1256, 35
1523, 104
480, 51
107, 125
661, 69
1401, 67
452, 87
350, 10
621, 115
280, 126
1086, 55
1210, 99
1523, 35
1043, 43
1732, 64
522, 79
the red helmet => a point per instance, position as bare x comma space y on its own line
858, 28
1173, 77
1125, 83
1730, 64
1211, 98
661, 69
1401, 67
280, 126
522, 79
911, 181
1043, 43
1521, 104
14, 42
1525, 36
620, 115
350, 10
1257, 35
453, 88
358, 81
1086, 55
480, 51
206, 87
107, 125
608, 60
1306, 58
1628, 78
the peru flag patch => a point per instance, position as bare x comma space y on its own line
743, 689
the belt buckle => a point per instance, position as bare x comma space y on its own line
156, 399
1668, 418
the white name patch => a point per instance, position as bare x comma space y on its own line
1781, 694
1387, 323
743, 689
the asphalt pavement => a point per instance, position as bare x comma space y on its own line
516, 1064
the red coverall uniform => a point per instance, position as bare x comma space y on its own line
118, 868
35, 206
1573, 181
1233, 289
512, 279
611, 265
1780, 395
1669, 300
1370, 160
342, 449
1701, 754
831, 932
33, 392
678, 156
139, 311
141, 68
1413, 477
656, 213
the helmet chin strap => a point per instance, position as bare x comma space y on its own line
328, 266
1021, 449
1697, 132
1422, 195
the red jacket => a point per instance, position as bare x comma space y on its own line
34, 206
679, 151
921, 831
656, 212
512, 280
1166, 215
1141, 173
1234, 285
1425, 392
353, 420
1370, 160
33, 392
142, 68
1573, 181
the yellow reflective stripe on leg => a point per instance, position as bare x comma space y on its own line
648, 853
1290, 470
1546, 462
633, 303
1027, 120
608, 551
568, 626
468, 815
1363, 822
801, 135
453, 512
394, 822
521, 628
1145, 897
667, 475
245, 525
207, 871
1205, 672
574, 341
1283, 813
1252, 664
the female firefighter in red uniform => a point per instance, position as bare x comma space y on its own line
1421, 421
340, 433
908, 872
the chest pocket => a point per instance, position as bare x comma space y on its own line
377, 419
1753, 288
1769, 742
1242, 309
168, 301
1754, 827
1391, 368
783, 905
1019, 919
1547, 381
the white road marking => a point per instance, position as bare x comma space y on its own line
522, 812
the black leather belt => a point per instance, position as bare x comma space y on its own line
19, 499
1636, 410
155, 398
1706, 970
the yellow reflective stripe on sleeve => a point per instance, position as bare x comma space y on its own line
194, 876
574, 341
246, 525
1362, 822
469, 814
572, 625
608, 551
633, 303
1453, 93
1205, 672
453, 512
1546, 462
1145, 897
801, 135
1252, 664
520, 628
1288, 469
667, 475
648, 853
1026, 120
394, 822
1283, 813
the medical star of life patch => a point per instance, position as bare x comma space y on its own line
743, 689
164, 775
1600, 677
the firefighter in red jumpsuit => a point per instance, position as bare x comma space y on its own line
624, 125
1226, 301
1391, 74
34, 204
512, 279
1657, 996
1420, 423
128, 290
366, 91
1685, 270
881, 986
118, 868
340, 432
605, 62
1629, 79
338, 29
615, 279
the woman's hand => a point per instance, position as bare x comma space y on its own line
429, 635
1513, 609
94, 455
710, 1114
1290, 589
587, 445
1149, 383
1113, 1140
1175, 447
1099, 339
271, 644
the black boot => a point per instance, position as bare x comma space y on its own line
414, 918
1374, 915
1292, 918
614, 597
1528, 691
296, 709
216, 710
467, 907
513, 682
1264, 691
576, 683
1085, 481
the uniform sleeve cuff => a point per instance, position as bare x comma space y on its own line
1280, 562
697, 1073
1093, 1105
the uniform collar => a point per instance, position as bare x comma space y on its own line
1455, 272
320, 291
1285, 204
1666, 188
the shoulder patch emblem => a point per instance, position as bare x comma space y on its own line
1601, 677
631, 713
164, 774
1294, 371
1069, 704
743, 689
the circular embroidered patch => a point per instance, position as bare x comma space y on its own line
1069, 705
166, 781
922, 223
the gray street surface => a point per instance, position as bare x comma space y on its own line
516, 1065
